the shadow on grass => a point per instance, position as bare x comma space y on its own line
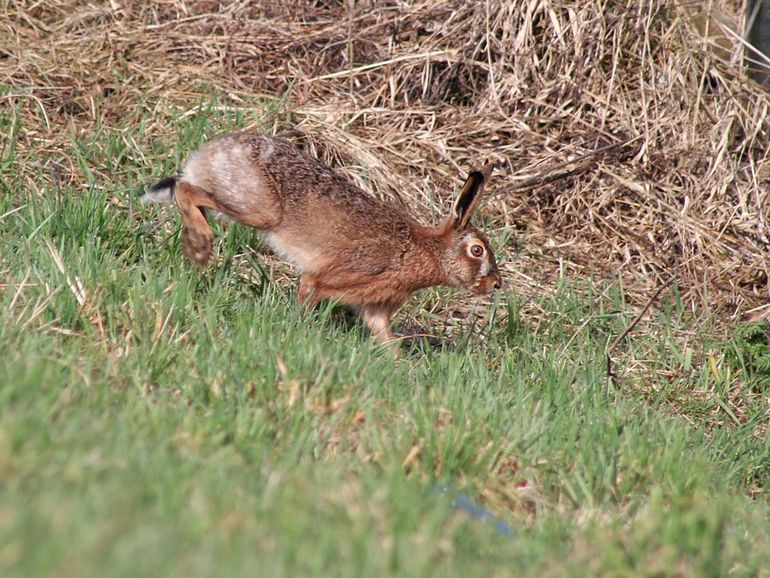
414, 339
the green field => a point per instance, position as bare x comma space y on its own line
161, 420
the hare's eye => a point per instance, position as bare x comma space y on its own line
476, 250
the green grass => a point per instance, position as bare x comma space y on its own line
160, 420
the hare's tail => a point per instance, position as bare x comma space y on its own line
160, 192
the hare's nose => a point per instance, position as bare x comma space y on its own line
498, 281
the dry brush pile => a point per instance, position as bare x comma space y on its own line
628, 146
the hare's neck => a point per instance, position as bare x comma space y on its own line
425, 262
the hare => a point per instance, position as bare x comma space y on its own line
346, 244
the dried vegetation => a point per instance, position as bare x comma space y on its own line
628, 146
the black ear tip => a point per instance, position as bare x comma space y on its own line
489, 167
482, 175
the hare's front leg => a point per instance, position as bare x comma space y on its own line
306, 293
377, 318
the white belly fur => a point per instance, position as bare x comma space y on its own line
305, 260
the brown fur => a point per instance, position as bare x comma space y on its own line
347, 245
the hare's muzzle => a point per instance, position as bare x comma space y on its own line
488, 284
494, 282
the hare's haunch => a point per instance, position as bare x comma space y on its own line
346, 244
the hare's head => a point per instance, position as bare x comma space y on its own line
468, 259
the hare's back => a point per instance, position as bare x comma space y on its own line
328, 221
322, 204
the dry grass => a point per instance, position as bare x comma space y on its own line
418, 92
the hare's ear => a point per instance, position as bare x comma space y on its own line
470, 196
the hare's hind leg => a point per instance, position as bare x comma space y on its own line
197, 237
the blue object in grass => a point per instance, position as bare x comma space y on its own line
461, 502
